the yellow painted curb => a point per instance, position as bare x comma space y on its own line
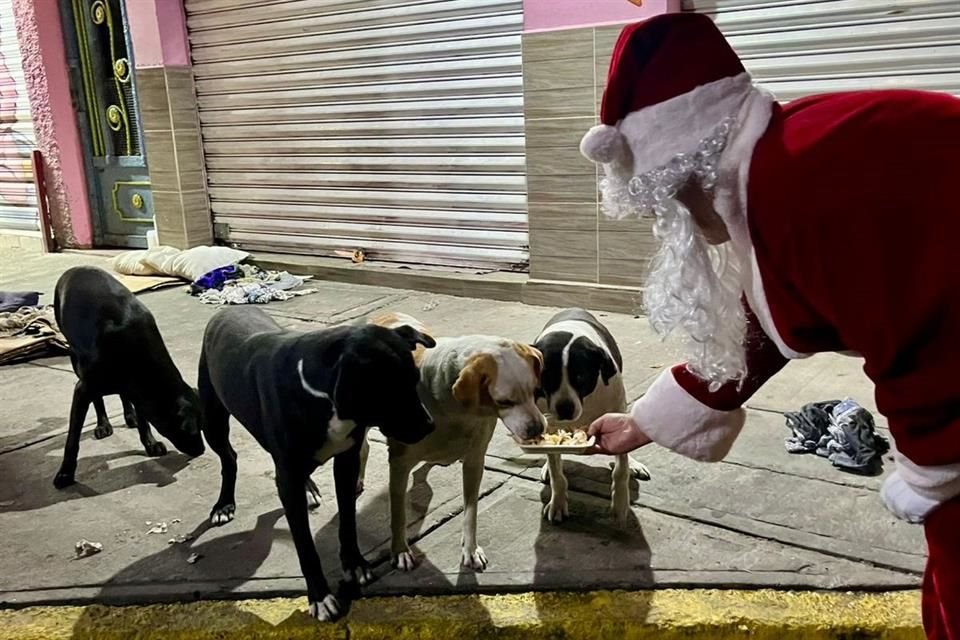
664, 615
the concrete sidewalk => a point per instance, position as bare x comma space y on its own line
762, 518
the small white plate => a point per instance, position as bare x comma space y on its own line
567, 449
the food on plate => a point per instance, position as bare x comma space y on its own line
564, 438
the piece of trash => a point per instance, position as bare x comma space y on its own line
148, 523
193, 558
359, 256
180, 539
656, 366
430, 306
175, 521
160, 527
84, 548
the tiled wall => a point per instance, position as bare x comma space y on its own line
174, 155
564, 73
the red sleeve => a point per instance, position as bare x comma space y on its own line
680, 413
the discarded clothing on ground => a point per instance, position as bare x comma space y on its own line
29, 332
841, 431
13, 300
252, 285
216, 279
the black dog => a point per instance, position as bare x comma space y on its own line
116, 348
306, 398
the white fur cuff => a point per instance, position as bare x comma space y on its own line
674, 419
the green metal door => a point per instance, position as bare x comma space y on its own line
105, 97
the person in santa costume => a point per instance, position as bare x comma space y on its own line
826, 224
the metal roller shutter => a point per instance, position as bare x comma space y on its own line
797, 48
18, 196
391, 126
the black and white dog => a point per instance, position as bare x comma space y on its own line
116, 348
582, 381
306, 398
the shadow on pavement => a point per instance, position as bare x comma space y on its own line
26, 475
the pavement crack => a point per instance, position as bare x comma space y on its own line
791, 474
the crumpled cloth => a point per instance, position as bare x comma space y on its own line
841, 431
13, 300
256, 286
29, 332
216, 279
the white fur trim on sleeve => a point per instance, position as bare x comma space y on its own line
674, 419
941, 483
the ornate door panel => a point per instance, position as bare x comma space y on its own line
105, 96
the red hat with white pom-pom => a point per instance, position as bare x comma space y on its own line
673, 80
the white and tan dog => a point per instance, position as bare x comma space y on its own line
467, 384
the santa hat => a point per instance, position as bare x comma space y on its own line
674, 84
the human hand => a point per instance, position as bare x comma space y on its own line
616, 433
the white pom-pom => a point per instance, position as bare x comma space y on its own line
604, 144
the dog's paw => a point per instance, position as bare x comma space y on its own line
63, 480
405, 561
622, 514
556, 511
103, 431
222, 514
360, 575
639, 471
476, 559
313, 495
155, 449
328, 610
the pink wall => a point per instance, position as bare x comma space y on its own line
54, 122
158, 32
547, 15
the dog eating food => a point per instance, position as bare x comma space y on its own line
564, 438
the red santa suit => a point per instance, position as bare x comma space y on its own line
845, 211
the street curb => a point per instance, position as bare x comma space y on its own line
639, 615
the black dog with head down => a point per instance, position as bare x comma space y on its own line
116, 348
306, 398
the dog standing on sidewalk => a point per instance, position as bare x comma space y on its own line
116, 348
582, 380
468, 383
307, 398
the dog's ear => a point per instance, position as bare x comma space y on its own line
189, 411
472, 388
533, 356
414, 337
607, 368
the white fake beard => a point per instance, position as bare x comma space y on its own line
695, 288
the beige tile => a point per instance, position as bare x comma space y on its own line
558, 161
563, 268
556, 243
559, 103
568, 217
183, 98
168, 211
606, 37
152, 99
628, 241
161, 160
625, 255
557, 132
569, 43
189, 158
561, 73
576, 188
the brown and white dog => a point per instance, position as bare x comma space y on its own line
467, 384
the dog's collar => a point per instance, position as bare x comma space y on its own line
316, 393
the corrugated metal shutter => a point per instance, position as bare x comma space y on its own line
387, 125
18, 196
797, 48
